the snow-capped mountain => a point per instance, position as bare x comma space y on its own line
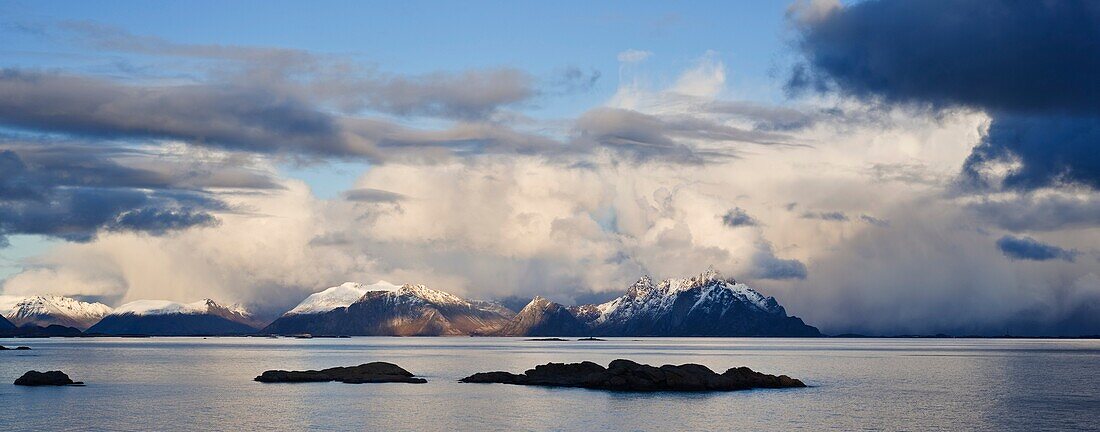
411, 310
542, 317
45, 310
166, 318
705, 305
338, 297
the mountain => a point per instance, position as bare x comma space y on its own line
165, 318
411, 310
46, 310
706, 305
6, 325
338, 297
542, 317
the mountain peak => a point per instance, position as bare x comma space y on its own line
44, 310
430, 295
640, 288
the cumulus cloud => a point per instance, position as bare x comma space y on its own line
1027, 248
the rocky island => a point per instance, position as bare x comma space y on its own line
51, 378
375, 372
625, 375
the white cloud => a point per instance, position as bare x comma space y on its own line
634, 56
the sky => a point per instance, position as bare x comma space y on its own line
880, 167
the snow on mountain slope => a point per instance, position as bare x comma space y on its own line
432, 296
338, 296
44, 310
160, 307
409, 310
165, 307
644, 299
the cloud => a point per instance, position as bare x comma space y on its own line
672, 138
222, 116
633, 56
468, 95
1051, 150
832, 216
1049, 211
768, 266
1027, 248
574, 80
1030, 65
73, 192
874, 221
373, 196
737, 217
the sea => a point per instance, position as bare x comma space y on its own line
206, 384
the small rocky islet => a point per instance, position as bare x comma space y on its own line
375, 372
626, 375
51, 378
18, 348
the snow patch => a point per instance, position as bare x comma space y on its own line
338, 297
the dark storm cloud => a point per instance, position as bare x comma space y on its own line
1053, 149
1032, 65
737, 217
72, 192
768, 266
1027, 248
825, 216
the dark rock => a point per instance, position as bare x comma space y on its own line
33, 331
591, 339
547, 340
625, 375
176, 324
542, 317
51, 378
376, 372
6, 325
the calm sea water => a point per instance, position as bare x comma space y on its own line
858, 384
